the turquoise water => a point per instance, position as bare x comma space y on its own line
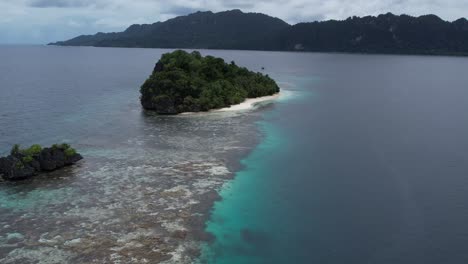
366, 164
363, 161
247, 207
249, 221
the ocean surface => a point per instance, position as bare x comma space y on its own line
363, 159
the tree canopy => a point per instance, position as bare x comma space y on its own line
188, 82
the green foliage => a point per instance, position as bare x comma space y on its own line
27, 159
33, 150
19, 165
190, 82
27, 156
70, 152
64, 146
15, 149
61, 146
27, 153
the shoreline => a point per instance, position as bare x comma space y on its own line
241, 180
418, 54
247, 104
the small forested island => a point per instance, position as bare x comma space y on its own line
189, 82
25, 163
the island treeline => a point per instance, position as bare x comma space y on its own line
189, 82
387, 33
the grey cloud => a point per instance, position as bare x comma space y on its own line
239, 4
181, 10
61, 3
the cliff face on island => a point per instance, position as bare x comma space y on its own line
25, 163
188, 82
386, 33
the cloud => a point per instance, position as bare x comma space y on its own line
61, 3
182, 10
73, 23
42, 21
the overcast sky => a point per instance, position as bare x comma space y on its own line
43, 21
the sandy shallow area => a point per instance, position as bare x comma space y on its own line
142, 196
138, 197
249, 103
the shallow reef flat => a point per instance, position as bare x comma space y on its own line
144, 199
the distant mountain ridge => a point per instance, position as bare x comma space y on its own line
387, 33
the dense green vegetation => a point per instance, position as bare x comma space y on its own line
234, 29
68, 150
188, 82
27, 155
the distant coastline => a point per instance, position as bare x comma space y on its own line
235, 30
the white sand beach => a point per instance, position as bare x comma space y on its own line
249, 103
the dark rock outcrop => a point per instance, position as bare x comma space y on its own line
12, 168
54, 158
20, 166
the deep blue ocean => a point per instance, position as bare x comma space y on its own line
362, 159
